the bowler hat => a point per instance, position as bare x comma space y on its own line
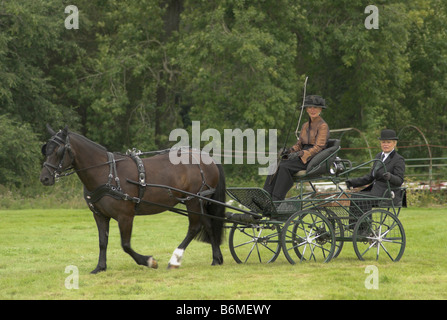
314, 101
388, 134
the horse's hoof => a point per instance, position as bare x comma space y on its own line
152, 263
98, 270
171, 267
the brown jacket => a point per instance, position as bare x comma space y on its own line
312, 140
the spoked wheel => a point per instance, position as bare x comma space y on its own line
338, 226
379, 232
255, 243
308, 236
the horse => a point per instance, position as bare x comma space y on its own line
118, 187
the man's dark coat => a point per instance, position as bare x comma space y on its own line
395, 164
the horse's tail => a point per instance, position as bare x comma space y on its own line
217, 210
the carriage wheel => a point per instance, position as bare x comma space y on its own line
308, 236
255, 243
338, 230
379, 231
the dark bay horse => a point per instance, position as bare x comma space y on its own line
96, 167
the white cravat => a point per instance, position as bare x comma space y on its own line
385, 155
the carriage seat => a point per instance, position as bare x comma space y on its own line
321, 162
398, 198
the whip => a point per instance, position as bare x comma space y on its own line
288, 131
302, 108
299, 120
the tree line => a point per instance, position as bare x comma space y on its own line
135, 70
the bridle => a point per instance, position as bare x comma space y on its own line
63, 150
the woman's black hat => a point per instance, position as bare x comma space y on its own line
314, 101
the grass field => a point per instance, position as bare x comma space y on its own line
36, 246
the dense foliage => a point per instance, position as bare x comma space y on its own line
135, 70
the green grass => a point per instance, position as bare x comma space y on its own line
37, 245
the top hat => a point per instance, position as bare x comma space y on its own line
314, 101
388, 134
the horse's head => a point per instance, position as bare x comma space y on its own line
59, 156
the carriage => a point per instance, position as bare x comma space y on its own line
312, 226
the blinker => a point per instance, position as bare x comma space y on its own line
44, 149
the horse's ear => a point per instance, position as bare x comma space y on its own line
50, 130
65, 131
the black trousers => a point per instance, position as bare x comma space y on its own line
279, 183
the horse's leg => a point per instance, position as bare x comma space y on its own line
196, 223
217, 254
193, 229
125, 226
102, 222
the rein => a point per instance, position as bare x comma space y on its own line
70, 170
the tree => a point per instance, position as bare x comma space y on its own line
237, 61
134, 98
427, 52
20, 146
135, 70
361, 72
28, 42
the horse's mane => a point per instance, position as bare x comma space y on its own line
157, 152
88, 140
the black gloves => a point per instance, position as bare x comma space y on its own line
295, 155
283, 153
289, 154
386, 176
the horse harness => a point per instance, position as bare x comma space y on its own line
116, 192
